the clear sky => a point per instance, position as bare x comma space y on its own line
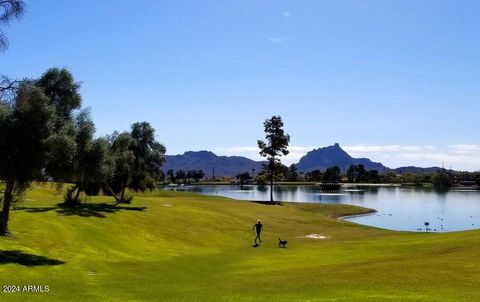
395, 81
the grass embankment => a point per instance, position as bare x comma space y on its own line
170, 246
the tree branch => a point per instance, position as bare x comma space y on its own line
8, 87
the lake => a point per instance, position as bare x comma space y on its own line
398, 208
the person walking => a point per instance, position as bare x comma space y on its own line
258, 228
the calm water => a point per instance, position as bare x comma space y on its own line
397, 208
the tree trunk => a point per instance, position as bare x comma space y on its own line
70, 200
271, 186
76, 195
122, 195
111, 192
7, 201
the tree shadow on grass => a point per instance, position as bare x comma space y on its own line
98, 210
19, 257
268, 203
36, 210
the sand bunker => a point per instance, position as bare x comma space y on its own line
315, 236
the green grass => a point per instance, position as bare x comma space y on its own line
169, 246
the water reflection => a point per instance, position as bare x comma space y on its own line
398, 208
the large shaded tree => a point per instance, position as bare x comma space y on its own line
73, 131
137, 158
37, 135
25, 126
274, 146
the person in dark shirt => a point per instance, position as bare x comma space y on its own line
258, 228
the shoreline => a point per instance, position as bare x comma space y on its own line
369, 212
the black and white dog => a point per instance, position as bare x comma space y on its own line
282, 243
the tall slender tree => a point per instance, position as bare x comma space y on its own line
274, 146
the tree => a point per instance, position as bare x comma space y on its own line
37, 140
97, 167
279, 173
62, 91
357, 174
315, 175
123, 159
72, 134
92, 168
149, 157
275, 146
292, 174
70, 154
408, 178
243, 177
171, 175
161, 176
441, 181
9, 9
196, 174
180, 174
373, 177
389, 178
25, 127
8, 88
137, 158
332, 175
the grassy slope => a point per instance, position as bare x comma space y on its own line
185, 247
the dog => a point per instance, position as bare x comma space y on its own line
282, 243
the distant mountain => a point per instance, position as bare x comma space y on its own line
321, 158
210, 162
330, 156
416, 170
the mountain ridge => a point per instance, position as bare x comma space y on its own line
320, 158
211, 164
326, 157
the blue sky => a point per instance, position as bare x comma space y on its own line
396, 81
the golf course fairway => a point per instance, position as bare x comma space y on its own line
169, 246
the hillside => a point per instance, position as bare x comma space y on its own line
416, 170
323, 158
210, 162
